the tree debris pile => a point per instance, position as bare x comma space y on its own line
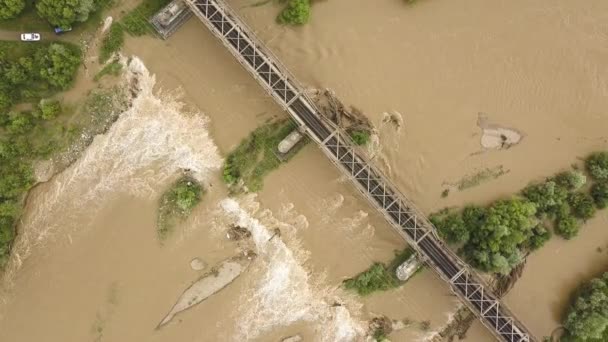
350, 119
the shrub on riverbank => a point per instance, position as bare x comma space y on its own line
177, 203
297, 12
587, 316
255, 156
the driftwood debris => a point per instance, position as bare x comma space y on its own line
237, 233
350, 119
215, 280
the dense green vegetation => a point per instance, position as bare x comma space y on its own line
378, 277
30, 74
11, 8
112, 42
177, 203
495, 238
255, 156
64, 13
296, 12
597, 165
599, 192
587, 317
136, 21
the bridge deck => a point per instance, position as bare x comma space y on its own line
409, 222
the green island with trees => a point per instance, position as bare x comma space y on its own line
586, 319
495, 238
255, 156
177, 203
379, 277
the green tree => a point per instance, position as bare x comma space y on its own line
186, 197
571, 180
540, 235
64, 13
474, 217
566, 225
508, 225
597, 165
297, 12
15, 74
599, 192
587, 317
547, 196
5, 101
20, 123
49, 109
581, 205
11, 8
59, 66
451, 227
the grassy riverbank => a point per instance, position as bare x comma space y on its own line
176, 204
32, 125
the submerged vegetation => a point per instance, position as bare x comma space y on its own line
378, 277
177, 203
587, 316
473, 180
496, 238
255, 156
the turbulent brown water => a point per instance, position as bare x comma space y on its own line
88, 264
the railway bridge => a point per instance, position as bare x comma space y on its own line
408, 221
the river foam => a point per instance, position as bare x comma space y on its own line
283, 291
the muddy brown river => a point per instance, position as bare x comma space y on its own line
88, 266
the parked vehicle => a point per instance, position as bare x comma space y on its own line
59, 30
30, 37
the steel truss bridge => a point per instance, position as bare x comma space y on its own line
409, 222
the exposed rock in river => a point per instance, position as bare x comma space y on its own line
210, 283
